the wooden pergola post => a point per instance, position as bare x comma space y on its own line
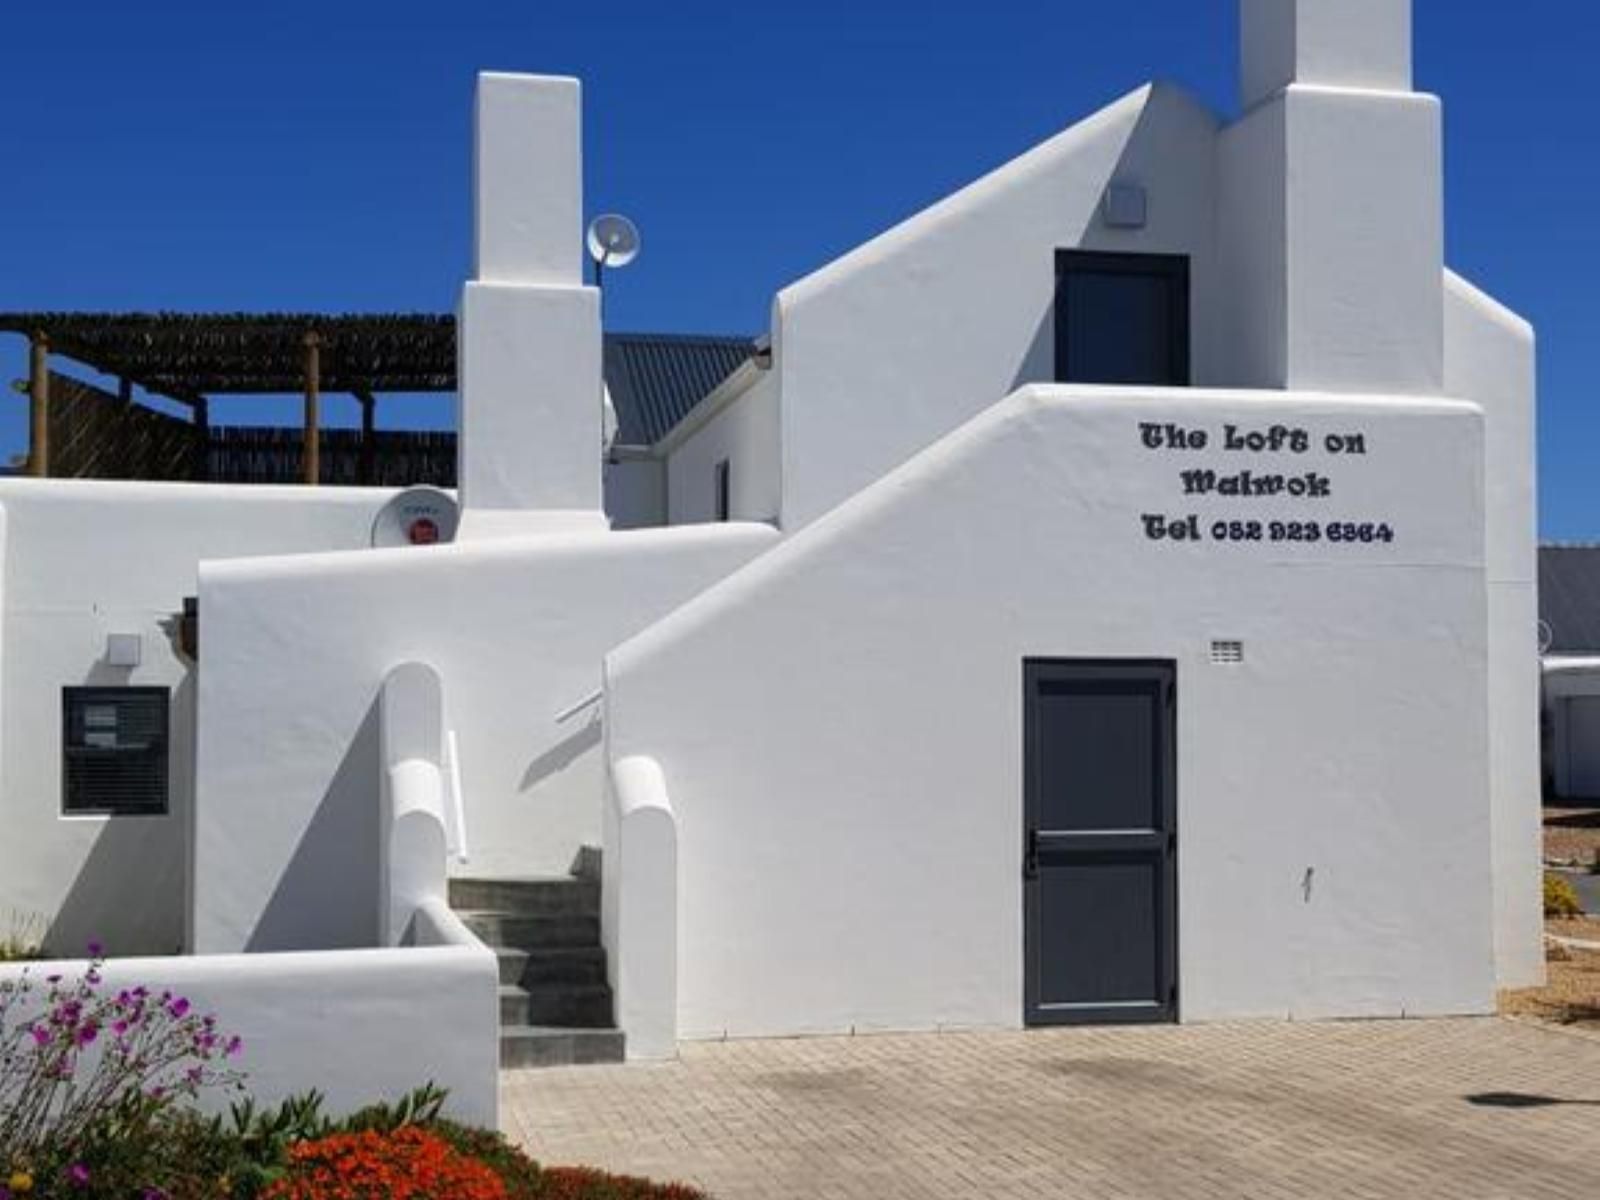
369, 406
202, 438
39, 406
124, 455
313, 377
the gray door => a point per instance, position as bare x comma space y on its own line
1100, 841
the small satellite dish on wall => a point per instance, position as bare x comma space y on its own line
613, 242
419, 516
1547, 637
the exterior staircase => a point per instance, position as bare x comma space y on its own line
555, 1003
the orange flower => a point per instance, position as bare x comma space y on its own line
406, 1164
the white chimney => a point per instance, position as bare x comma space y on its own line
1332, 210
528, 338
1326, 43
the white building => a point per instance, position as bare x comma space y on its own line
1125, 610
1569, 630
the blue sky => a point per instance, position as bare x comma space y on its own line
315, 156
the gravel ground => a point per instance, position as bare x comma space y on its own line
1571, 834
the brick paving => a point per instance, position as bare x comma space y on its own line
1357, 1111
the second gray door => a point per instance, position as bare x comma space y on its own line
1100, 841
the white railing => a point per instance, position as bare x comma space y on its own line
455, 809
572, 710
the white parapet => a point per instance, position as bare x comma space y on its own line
640, 906
412, 835
528, 181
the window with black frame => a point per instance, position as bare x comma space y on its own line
724, 490
114, 751
1122, 318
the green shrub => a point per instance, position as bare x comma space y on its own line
1560, 898
159, 1151
22, 936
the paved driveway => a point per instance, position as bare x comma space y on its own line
1472, 1110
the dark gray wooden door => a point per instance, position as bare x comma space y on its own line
1100, 841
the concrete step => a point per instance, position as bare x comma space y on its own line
544, 1046
568, 964
523, 932
552, 896
570, 1006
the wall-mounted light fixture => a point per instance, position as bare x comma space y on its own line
124, 649
1126, 206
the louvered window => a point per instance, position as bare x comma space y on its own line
115, 750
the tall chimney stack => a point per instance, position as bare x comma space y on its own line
528, 337
1333, 202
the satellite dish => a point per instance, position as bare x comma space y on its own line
1547, 637
613, 241
419, 516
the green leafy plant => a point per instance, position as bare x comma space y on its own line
76, 1058
23, 936
1560, 898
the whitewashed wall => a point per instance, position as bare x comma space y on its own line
294, 651
636, 493
839, 724
1489, 359
84, 559
903, 339
746, 434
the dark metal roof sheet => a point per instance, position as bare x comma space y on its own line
655, 379
1569, 598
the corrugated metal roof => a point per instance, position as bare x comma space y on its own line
1569, 597
656, 378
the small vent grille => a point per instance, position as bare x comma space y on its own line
115, 750
1227, 653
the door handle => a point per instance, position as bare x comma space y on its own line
1030, 856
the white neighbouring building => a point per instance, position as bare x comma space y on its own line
1123, 607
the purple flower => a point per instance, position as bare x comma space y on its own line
41, 1035
52, 979
153, 1193
235, 1044
178, 1007
78, 1175
96, 950
87, 1032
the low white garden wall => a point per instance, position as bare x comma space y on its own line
357, 1025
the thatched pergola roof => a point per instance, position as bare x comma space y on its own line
188, 355
654, 379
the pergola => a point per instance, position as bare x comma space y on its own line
190, 357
